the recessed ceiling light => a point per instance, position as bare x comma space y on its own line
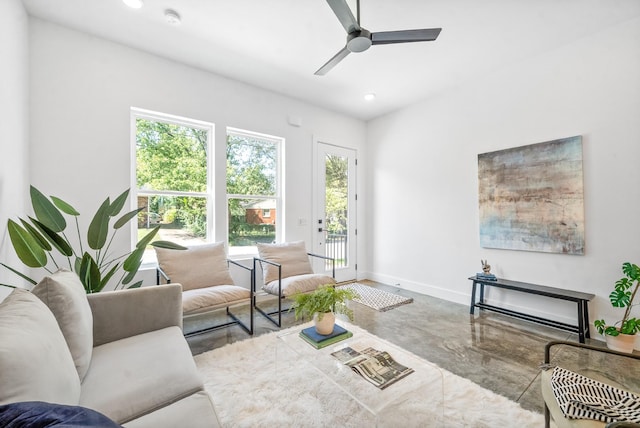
172, 17
134, 4
370, 97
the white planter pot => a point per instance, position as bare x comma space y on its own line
621, 342
325, 325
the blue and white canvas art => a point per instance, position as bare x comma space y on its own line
531, 197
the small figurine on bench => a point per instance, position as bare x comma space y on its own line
486, 272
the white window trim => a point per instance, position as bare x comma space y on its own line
138, 113
279, 142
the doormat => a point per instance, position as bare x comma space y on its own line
374, 298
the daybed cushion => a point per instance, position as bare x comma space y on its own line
291, 255
208, 298
196, 410
38, 414
197, 266
298, 284
65, 296
131, 377
35, 362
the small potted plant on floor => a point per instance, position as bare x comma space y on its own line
321, 305
621, 336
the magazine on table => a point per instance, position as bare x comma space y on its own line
378, 367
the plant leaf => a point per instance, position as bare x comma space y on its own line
118, 204
20, 274
58, 241
133, 260
99, 227
46, 212
623, 284
631, 270
26, 246
167, 244
611, 331
147, 238
64, 207
125, 218
108, 276
129, 277
89, 273
34, 232
135, 285
620, 299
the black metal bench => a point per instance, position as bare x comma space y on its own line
581, 299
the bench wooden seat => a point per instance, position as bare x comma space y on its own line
581, 299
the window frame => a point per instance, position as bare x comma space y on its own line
138, 113
279, 143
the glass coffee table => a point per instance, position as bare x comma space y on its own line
414, 400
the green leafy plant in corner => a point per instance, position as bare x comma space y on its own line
326, 298
41, 242
623, 296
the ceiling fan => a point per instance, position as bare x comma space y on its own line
360, 39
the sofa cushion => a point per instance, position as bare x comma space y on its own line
35, 362
36, 414
197, 266
131, 377
197, 409
291, 255
196, 300
298, 284
65, 296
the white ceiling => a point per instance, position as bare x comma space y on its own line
279, 44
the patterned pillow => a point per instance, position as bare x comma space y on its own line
196, 267
292, 256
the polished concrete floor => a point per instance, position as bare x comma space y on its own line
497, 352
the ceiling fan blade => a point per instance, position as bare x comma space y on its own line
405, 36
344, 14
332, 62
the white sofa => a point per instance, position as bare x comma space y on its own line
121, 353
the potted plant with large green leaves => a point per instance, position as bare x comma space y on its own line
621, 336
322, 303
42, 242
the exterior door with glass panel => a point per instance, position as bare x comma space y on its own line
335, 201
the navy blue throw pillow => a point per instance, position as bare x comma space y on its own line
38, 414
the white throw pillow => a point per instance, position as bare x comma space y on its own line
299, 284
196, 267
35, 362
65, 296
291, 255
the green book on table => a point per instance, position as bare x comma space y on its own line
320, 341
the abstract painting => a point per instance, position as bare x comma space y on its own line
531, 197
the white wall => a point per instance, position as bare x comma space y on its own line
14, 145
423, 185
82, 88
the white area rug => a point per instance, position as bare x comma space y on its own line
379, 300
249, 389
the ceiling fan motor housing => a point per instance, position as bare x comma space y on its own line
359, 41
